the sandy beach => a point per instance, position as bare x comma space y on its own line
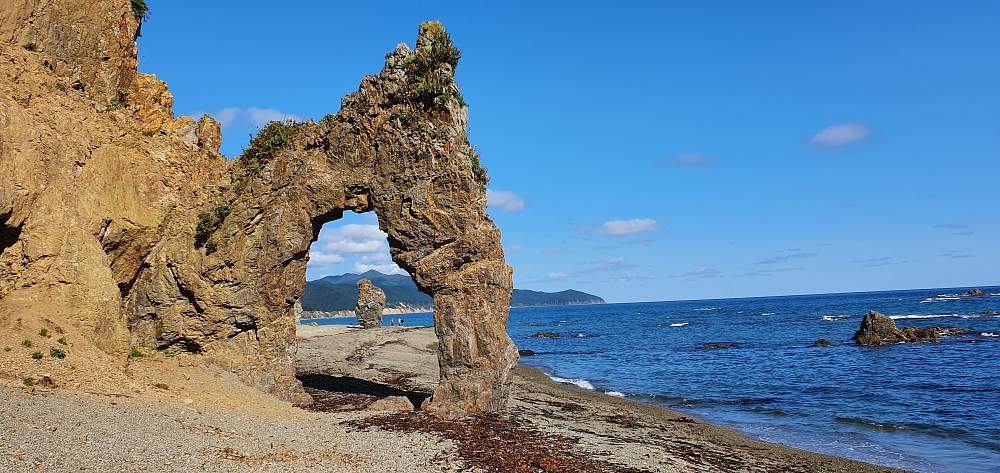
168, 415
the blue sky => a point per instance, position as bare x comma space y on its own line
660, 150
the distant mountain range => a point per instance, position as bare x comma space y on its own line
334, 293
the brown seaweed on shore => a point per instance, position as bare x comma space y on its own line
498, 444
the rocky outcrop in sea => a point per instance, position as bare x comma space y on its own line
877, 329
371, 302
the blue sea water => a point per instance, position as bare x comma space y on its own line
926, 407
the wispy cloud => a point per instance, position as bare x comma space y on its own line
629, 227
843, 134
699, 273
786, 257
878, 261
957, 255
505, 201
768, 272
253, 116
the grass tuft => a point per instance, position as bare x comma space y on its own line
62, 341
26, 343
37, 355
57, 353
136, 353
28, 382
44, 333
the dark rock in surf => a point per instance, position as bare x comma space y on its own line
822, 343
975, 293
545, 335
717, 345
877, 329
526, 352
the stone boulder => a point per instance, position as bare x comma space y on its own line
822, 342
975, 293
877, 329
391, 404
371, 302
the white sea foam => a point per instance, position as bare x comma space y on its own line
990, 334
579, 382
615, 394
928, 316
767, 313
681, 324
707, 308
833, 318
942, 298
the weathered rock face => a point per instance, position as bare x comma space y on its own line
877, 329
371, 301
125, 227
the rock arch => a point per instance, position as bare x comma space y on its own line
123, 205
398, 147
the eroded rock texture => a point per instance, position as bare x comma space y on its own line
371, 302
124, 225
877, 329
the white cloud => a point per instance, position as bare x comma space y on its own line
840, 135
629, 227
504, 200
321, 258
556, 275
387, 268
354, 239
257, 117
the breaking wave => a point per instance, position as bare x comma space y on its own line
577, 382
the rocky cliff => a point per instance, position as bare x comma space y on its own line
122, 226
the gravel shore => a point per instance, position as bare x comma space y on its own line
193, 418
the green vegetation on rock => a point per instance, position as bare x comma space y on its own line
57, 353
140, 10
208, 223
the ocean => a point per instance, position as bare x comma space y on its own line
926, 407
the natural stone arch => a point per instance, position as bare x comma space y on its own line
398, 147
124, 226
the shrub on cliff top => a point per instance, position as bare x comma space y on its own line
423, 84
268, 141
140, 10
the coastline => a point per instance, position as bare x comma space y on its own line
623, 433
179, 414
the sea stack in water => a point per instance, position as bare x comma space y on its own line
877, 329
975, 293
371, 302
